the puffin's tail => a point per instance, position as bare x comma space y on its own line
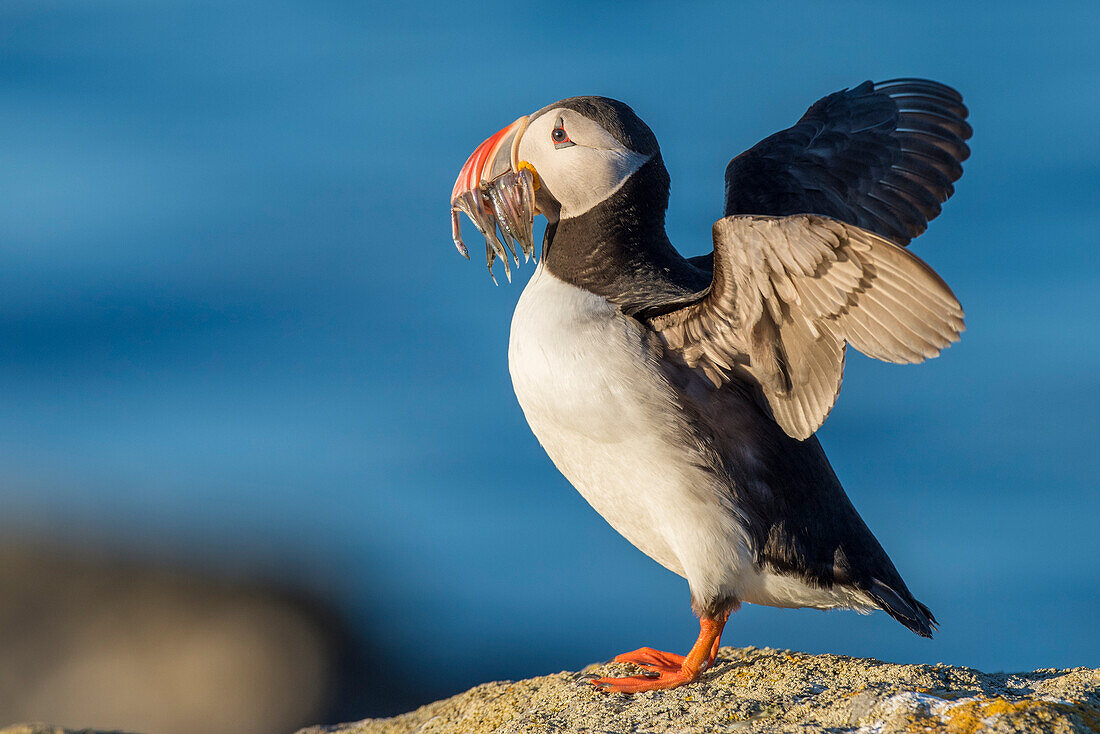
902, 606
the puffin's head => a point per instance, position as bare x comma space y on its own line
582, 150
560, 162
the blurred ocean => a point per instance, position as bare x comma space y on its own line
234, 331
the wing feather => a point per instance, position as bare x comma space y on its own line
788, 295
880, 156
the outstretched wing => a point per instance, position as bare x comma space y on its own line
881, 156
788, 293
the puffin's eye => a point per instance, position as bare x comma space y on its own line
559, 137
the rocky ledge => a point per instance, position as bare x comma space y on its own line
764, 690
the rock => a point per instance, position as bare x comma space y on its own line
91, 639
47, 729
765, 690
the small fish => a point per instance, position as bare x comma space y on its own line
498, 195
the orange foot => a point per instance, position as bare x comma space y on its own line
655, 660
640, 683
672, 670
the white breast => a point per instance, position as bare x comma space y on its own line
589, 383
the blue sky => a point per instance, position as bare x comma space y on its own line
233, 328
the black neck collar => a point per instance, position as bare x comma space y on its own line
618, 249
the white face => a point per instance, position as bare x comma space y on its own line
579, 162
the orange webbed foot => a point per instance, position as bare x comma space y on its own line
641, 683
671, 670
655, 660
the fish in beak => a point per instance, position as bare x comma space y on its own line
497, 192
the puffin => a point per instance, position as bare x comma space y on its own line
681, 395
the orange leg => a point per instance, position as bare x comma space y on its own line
672, 670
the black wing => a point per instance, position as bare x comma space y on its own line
880, 156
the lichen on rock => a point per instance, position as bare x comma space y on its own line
764, 690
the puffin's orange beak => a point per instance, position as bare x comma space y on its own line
495, 191
495, 156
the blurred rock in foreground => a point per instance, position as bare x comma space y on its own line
48, 729
106, 641
764, 690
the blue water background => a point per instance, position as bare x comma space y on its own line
234, 331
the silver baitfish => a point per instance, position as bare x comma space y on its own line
497, 193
